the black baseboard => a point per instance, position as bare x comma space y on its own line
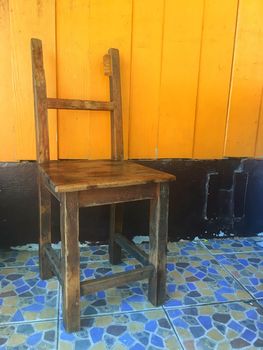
209, 196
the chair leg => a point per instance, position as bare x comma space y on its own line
70, 261
45, 228
158, 243
116, 218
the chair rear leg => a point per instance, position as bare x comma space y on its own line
158, 244
70, 261
45, 228
116, 219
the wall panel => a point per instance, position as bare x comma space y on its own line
85, 31
7, 115
259, 138
247, 81
192, 76
179, 79
214, 77
31, 19
147, 32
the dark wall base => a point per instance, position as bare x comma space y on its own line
209, 196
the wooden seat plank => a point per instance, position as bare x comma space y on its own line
79, 175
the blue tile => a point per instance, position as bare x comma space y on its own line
34, 339
248, 335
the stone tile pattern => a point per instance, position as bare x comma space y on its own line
247, 268
221, 326
219, 246
38, 335
214, 301
200, 280
25, 297
134, 331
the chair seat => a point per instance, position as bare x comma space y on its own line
80, 175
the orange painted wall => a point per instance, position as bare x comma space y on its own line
192, 76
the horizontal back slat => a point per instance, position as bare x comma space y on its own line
57, 103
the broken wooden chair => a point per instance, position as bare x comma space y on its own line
85, 183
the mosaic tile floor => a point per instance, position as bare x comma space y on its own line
214, 301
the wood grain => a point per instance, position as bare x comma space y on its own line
79, 175
116, 113
44, 199
59, 103
114, 195
118, 279
53, 260
158, 243
40, 101
132, 249
70, 261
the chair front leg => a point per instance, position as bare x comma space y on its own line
70, 261
44, 198
158, 243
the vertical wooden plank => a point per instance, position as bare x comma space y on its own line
259, 140
158, 242
180, 68
116, 114
40, 101
70, 261
44, 199
86, 29
29, 19
243, 114
214, 77
147, 32
7, 130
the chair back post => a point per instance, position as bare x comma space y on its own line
40, 102
112, 69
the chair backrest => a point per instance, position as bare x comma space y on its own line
42, 103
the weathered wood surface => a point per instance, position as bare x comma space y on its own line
132, 249
158, 244
59, 103
54, 261
101, 196
70, 262
79, 175
40, 101
115, 96
118, 279
44, 228
80, 183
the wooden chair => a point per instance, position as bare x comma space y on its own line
85, 183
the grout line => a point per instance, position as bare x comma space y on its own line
208, 304
174, 329
45, 320
154, 308
240, 284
